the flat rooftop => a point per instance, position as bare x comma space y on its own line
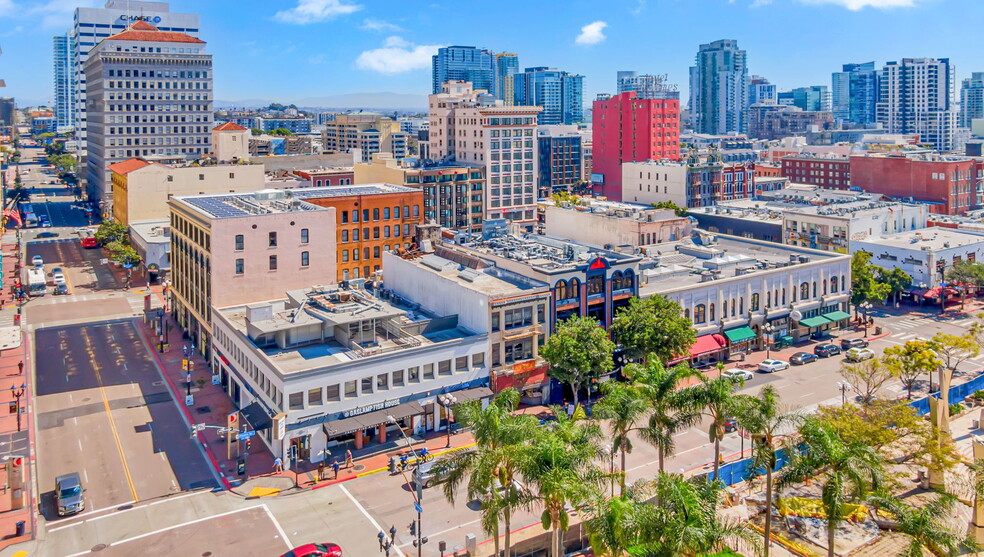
543, 253
473, 274
615, 209
709, 257
268, 201
933, 238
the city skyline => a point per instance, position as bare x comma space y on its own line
387, 47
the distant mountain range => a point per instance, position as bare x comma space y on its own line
403, 102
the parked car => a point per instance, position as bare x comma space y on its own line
849, 343
68, 493
315, 550
60, 289
730, 424
801, 358
37, 261
826, 350
47, 235
769, 366
737, 374
859, 354
45, 223
58, 275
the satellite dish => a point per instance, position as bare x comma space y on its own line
796, 315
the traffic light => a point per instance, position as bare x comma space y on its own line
241, 467
247, 445
413, 528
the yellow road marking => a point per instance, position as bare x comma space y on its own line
112, 422
20, 554
263, 492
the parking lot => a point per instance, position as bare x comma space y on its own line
104, 411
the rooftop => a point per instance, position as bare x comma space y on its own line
615, 209
143, 31
474, 274
933, 238
279, 200
229, 126
545, 254
156, 231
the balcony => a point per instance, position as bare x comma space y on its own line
521, 332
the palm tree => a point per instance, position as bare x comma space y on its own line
668, 411
614, 525
763, 419
715, 398
500, 437
926, 525
849, 470
624, 407
559, 469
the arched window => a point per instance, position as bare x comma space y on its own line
741, 306
561, 290
768, 300
833, 285
804, 291
617, 280
783, 296
596, 284
712, 312
732, 307
628, 279
700, 313
824, 287
755, 302
814, 289
573, 288
686, 313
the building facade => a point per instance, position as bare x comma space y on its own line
854, 97
815, 98
776, 121
465, 63
625, 129
64, 80
719, 88
761, 91
836, 227
646, 86
561, 162
506, 66
368, 132
148, 94
949, 184
590, 221
828, 171
971, 99
697, 182
917, 96
560, 94
293, 125
925, 255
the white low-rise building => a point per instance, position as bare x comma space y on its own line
836, 227
334, 364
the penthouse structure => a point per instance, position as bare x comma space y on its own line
588, 220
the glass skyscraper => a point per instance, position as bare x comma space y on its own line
855, 94
64, 85
506, 66
464, 63
719, 88
559, 93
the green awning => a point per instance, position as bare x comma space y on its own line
837, 315
817, 321
740, 334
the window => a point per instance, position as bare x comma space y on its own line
273, 262
495, 354
461, 363
351, 389
561, 290
804, 290
478, 360
540, 309
444, 367
833, 285
345, 256
345, 235
596, 284
386, 213
239, 242
355, 216
344, 217
296, 401
519, 351
700, 314
398, 378
240, 264
755, 302
315, 397
273, 239
495, 321
519, 317
814, 289
365, 215
367, 385
375, 233
711, 313
375, 214
382, 381
304, 235
413, 374
428, 371
331, 393
305, 259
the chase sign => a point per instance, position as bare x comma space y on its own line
133, 18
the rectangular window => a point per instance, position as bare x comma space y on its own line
344, 256
273, 239
239, 242
495, 321
345, 235
240, 264
331, 393
296, 401
273, 262
305, 259
413, 374
398, 379
351, 389
382, 381
461, 363
444, 367
495, 354
478, 360
355, 215
304, 236
344, 217
315, 397
428, 371
367, 385
386, 213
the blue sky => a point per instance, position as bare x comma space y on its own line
294, 49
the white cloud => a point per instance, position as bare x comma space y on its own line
855, 5
314, 11
397, 56
592, 33
373, 24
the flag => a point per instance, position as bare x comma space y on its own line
13, 214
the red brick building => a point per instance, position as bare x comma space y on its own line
629, 129
949, 183
339, 176
818, 171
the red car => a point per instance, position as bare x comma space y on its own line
315, 550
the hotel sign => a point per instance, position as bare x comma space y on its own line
359, 410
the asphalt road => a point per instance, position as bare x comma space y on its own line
103, 411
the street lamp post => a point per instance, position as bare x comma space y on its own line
769, 329
17, 393
418, 496
865, 308
447, 400
843, 386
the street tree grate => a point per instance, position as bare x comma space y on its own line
203, 409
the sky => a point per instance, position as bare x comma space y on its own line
291, 50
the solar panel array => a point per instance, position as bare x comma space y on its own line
217, 206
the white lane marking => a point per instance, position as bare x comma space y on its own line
366, 514
446, 531
155, 532
88, 515
273, 519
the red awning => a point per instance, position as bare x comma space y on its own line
707, 344
935, 292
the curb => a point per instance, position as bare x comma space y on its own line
385, 468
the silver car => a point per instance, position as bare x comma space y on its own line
68, 491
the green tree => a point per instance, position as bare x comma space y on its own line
653, 328
670, 407
110, 231
280, 131
867, 377
953, 350
256, 131
965, 275
625, 408
500, 437
847, 471
716, 399
910, 361
123, 253
896, 279
926, 524
579, 352
763, 418
680, 211
865, 286
560, 471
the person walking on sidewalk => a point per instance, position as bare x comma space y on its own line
334, 467
321, 470
278, 465
20, 365
348, 459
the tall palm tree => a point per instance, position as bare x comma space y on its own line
500, 437
669, 411
762, 417
714, 398
559, 468
624, 407
926, 525
849, 470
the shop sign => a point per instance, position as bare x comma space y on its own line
370, 408
524, 367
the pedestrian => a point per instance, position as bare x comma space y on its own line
570, 410
20, 367
321, 470
2, 302
348, 459
334, 467
278, 465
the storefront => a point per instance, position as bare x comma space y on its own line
740, 340
526, 377
839, 319
706, 350
813, 326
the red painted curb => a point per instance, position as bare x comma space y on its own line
332, 482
